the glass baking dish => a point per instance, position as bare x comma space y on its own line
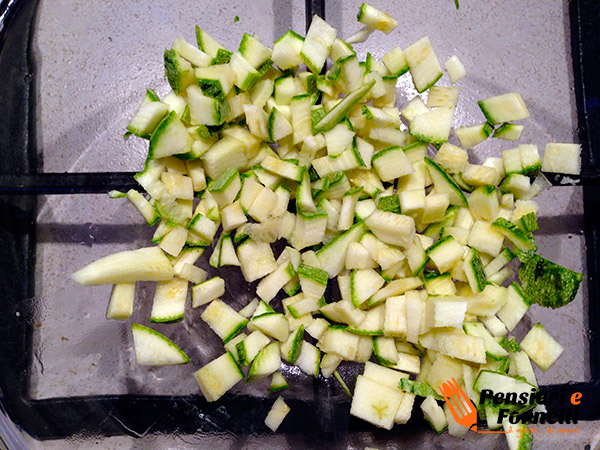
75, 72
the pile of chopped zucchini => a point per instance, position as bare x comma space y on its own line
249, 150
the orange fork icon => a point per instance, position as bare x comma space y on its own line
461, 407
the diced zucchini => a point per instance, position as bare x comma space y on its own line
121, 301
346, 217
445, 184
206, 110
257, 120
207, 291
169, 138
395, 323
485, 238
147, 117
442, 97
408, 363
363, 284
440, 284
372, 324
445, 311
223, 320
338, 139
494, 325
246, 76
254, 51
272, 324
513, 233
392, 163
340, 49
455, 68
194, 55
375, 403
423, 63
232, 344
247, 349
329, 364
301, 117
266, 362
317, 327
504, 108
385, 350
278, 383
217, 81
483, 203
341, 109
415, 308
416, 257
178, 71
487, 302
492, 348
391, 228
290, 349
343, 312
383, 375
218, 376
207, 43
270, 285
433, 126
376, 19
517, 184
169, 301
522, 366
434, 211
451, 158
339, 341
351, 75
248, 310
470, 136
286, 50
276, 414
143, 206
473, 268
313, 280
256, 260
145, 264
414, 108
317, 44
456, 344
434, 414
333, 255
530, 159
395, 61
509, 131
309, 359
562, 158
445, 253
405, 409
278, 126
154, 349
541, 347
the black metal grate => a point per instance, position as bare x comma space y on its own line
105, 415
